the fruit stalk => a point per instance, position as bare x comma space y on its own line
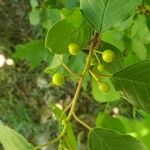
93, 44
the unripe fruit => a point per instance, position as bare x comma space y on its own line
58, 79
104, 87
108, 56
101, 67
74, 48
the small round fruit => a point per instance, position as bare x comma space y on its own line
101, 67
58, 79
104, 87
108, 56
74, 48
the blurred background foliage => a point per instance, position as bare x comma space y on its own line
26, 91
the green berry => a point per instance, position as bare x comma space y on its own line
73, 48
101, 67
108, 56
58, 79
104, 87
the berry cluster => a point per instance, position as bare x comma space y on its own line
58, 78
107, 56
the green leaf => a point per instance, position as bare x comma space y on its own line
107, 121
34, 52
139, 49
105, 14
114, 37
131, 59
72, 28
11, 140
140, 31
133, 83
55, 64
35, 16
104, 139
77, 63
50, 17
112, 95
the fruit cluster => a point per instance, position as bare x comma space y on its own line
58, 78
107, 56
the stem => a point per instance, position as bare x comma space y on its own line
93, 75
68, 69
97, 58
81, 79
54, 140
98, 52
81, 122
65, 110
70, 148
94, 43
96, 76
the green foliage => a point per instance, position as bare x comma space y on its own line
104, 139
133, 84
71, 29
11, 140
106, 14
107, 121
34, 52
99, 96
117, 63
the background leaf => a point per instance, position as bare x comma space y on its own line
34, 52
107, 121
11, 140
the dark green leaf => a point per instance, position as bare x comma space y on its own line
105, 14
71, 29
133, 83
103, 139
